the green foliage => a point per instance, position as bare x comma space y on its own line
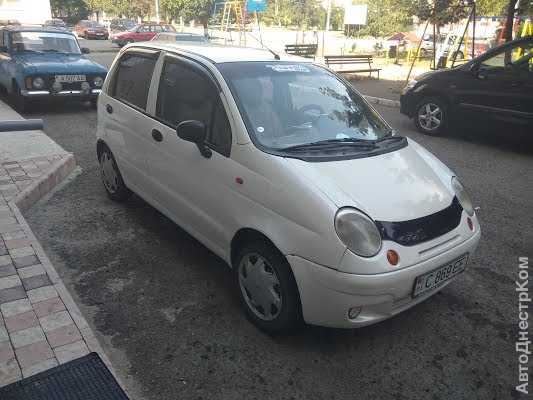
385, 18
69, 8
198, 10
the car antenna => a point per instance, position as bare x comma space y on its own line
276, 56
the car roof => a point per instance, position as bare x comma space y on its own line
26, 28
217, 53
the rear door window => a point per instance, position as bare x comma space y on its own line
131, 82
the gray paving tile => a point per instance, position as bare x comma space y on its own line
34, 282
27, 336
3, 250
26, 261
13, 293
7, 270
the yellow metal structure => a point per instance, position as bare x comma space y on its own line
526, 30
237, 10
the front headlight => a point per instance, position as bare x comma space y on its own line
462, 196
411, 84
98, 81
38, 82
358, 232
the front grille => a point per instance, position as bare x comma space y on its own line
415, 231
49, 80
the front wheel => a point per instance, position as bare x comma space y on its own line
431, 116
111, 177
127, 41
267, 287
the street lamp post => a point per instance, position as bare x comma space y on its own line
157, 11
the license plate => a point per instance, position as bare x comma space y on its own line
70, 78
438, 276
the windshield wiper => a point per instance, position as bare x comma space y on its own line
56, 51
390, 138
29, 51
330, 143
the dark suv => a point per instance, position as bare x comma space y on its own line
493, 89
121, 25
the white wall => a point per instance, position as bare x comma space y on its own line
26, 11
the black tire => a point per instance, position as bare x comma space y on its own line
290, 315
423, 52
114, 185
459, 55
94, 102
431, 116
127, 41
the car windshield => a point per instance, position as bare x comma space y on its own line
93, 25
167, 28
45, 42
297, 104
128, 23
133, 28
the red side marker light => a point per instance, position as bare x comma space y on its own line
393, 258
470, 223
239, 180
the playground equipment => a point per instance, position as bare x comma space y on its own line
234, 17
237, 10
441, 59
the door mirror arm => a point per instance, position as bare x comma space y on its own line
195, 132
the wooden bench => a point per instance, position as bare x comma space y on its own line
352, 60
302, 50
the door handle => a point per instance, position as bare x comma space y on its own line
109, 108
157, 136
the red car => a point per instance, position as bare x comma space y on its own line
140, 33
91, 30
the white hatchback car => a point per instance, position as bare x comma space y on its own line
281, 168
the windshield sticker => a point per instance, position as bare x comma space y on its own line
288, 68
260, 129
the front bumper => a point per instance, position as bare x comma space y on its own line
326, 294
118, 41
407, 104
62, 93
97, 36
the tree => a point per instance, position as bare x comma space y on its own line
197, 10
68, 8
386, 17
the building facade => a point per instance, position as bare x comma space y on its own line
26, 11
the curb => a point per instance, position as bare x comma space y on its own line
382, 102
23, 202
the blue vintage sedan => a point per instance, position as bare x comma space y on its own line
44, 63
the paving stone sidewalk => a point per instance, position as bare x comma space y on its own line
37, 330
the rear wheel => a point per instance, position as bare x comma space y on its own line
459, 55
127, 41
423, 52
431, 116
267, 287
111, 177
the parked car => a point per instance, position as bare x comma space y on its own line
140, 33
493, 89
121, 25
58, 23
281, 168
91, 30
181, 37
46, 63
9, 22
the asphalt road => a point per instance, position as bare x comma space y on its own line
165, 311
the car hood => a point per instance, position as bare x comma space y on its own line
52, 63
398, 186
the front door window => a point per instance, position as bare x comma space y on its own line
515, 59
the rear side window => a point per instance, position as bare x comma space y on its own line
132, 79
